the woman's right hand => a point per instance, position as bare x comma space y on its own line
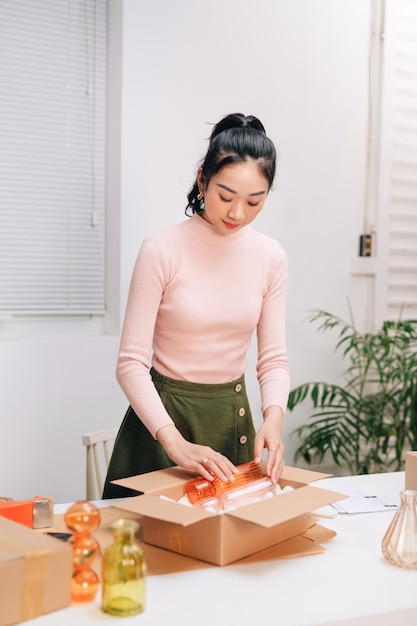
193, 456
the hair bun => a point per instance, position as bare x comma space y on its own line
237, 120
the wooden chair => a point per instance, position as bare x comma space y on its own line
99, 446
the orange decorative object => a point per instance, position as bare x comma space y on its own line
82, 518
20, 511
199, 489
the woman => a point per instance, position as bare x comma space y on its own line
198, 292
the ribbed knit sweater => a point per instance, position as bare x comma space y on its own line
195, 299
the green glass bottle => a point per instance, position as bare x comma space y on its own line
123, 572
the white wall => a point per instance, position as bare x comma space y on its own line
301, 66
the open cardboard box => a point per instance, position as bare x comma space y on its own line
35, 573
222, 539
411, 470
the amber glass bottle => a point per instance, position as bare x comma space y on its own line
200, 489
124, 572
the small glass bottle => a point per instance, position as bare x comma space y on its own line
82, 518
124, 572
399, 545
200, 489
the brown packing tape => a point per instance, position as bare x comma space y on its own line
178, 542
35, 567
33, 586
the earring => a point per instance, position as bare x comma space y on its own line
200, 197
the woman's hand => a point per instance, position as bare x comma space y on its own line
192, 456
269, 436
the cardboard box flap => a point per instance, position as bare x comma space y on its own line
269, 513
163, 510
17, 538
299, 475
153, 481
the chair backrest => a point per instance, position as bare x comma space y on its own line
99, 446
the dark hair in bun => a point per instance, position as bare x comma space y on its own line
235, 139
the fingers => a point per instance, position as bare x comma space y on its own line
201, 459
215, 464
275, 462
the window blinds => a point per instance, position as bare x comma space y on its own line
400, 157
52, 156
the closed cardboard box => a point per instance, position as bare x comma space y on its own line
35, 573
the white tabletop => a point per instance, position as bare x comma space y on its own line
349, 583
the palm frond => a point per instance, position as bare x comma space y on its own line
368, 421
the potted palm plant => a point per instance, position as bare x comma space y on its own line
370, 421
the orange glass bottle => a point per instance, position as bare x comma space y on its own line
200, 489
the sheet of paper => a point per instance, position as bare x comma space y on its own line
361, 502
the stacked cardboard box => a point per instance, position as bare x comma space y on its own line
35, 573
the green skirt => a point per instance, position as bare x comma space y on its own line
218, 416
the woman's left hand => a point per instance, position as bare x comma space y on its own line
269, 437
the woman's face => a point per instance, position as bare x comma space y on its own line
234, 196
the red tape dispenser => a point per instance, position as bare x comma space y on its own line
35, 513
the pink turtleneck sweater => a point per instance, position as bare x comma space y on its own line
195, 299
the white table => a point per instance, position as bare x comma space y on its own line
348, 584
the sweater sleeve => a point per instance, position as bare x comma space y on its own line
150, 275
272, 367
